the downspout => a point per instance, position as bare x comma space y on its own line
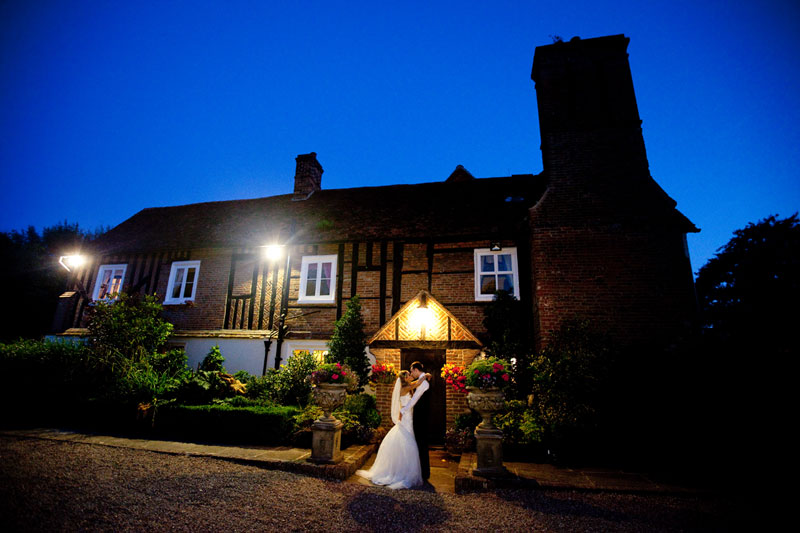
284, 308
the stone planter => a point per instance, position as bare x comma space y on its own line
488, 438
329, 396
326, 432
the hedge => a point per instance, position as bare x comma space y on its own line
262, 425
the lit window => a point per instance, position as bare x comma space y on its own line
317, 279
495, 271
182, 282
109, 282
319, 355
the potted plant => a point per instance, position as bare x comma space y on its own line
455, 377
331, 382
486, 381
383, 373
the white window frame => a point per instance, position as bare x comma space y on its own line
173, 273
481, 252
99, 281
302, 297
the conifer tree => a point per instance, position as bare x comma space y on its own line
349, 342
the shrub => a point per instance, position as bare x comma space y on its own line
467, 421
44, 380
210, 382
364, 408
267, 425
349, 342
213, 361
289, 384
520, 424
353, 431
571, 376
127, 330
458, 441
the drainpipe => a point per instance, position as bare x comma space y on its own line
284, 308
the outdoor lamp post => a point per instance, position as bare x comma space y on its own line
70, 263
272, 253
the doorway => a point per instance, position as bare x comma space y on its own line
432, 361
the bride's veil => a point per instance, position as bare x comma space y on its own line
398, 385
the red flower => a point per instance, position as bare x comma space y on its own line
462, 378
505, 377
344, 373
477, 371
335, 376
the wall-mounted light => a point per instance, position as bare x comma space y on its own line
495, 247
272, 252
422, 316
73, 261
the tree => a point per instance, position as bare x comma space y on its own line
32, 278
349, 342
748, 295
747, 288
507, 338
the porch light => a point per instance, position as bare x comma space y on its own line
272, 252
70, 262
422, 316
495, 247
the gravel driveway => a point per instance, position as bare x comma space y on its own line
63, 486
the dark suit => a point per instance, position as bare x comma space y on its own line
421, 412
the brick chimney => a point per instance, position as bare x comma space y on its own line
606, 241
307, 176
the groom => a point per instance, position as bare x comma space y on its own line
422, 401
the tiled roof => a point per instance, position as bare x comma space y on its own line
458, 208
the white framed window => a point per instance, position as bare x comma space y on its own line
182, 282
317, 279
109, 282
495, 271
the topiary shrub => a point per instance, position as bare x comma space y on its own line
349, 342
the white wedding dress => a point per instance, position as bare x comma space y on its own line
397, 464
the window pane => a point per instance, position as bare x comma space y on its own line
487, 284
104, 285
178, 283
311, 287
325, 287
326, 270
505, 282
487, 263
116, 284
187, 289
504, 263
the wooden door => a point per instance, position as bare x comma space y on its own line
433, 361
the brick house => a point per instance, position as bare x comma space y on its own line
593, 235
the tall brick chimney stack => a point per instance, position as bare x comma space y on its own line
601, 201
307, 176
588, 118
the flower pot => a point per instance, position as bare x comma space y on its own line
486, 402
329, 396
488, 438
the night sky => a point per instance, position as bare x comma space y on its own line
110, 107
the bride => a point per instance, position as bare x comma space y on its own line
397, 464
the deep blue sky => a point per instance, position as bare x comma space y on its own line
110, 107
